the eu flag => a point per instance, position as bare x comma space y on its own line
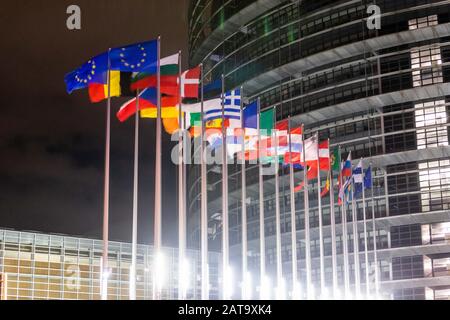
133, 58
138, 57
92, 71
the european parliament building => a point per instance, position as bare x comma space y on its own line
381, 94
36, 266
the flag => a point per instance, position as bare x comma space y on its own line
311, 175
93, 71
119, 87
136, 57
311, 151
213, 108
166, 113
190, 82
344, 191
335, 160
326, 189
324, 155
132, 58
147, 99
358, 179
266, 126
368, 178
294, 155
168, 76
251, 119
171, 125
347, 167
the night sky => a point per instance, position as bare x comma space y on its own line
52, 144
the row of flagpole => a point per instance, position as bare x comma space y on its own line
226, 268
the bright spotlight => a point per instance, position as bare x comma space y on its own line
297, 291
325, 294
348, 296
160, 270
228, 283
265, 288
247, 286
184, 277
312, 293
281, 290
337, 294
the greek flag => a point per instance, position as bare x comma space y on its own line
232, 109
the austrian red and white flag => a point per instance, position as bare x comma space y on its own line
324, 155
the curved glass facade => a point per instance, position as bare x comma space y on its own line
383, 95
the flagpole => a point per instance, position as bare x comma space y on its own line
355, 241
307, 224
295, 289
374, 228
158, 178
262, 222
244, 206
225, 222
333, 230
344, 234
321, 249
181, 186
105, 270
278, 215
204, 202
135, 203
366, 250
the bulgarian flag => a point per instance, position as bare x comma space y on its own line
169, 78
169, 75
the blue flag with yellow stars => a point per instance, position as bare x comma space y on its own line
91, 72
133, 58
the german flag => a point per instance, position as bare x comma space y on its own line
120, 87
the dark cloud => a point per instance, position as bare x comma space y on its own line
51, 143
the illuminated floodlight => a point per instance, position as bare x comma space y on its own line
184, 277
325, 294
348, 296
312, 293
104, 276
247, 286
281, 290
228, 283
160, 270
337, 295
265, 288
297, 291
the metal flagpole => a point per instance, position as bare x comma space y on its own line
333, 231
105, 270
262, 223
309, 291
355, 241
181, 186
225, 223
366, 249
204, 203
321, 250
278, 216
244, 207
374, 228
158, 179
344, 234
135, 203
295, 288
